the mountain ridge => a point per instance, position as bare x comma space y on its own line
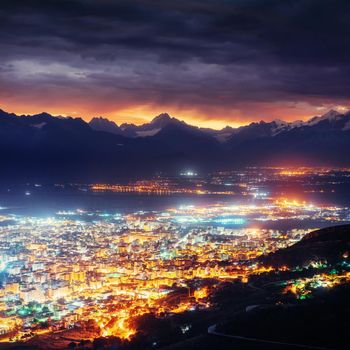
65, 148
164, 119
271, 128
329, 244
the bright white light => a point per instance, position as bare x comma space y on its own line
189, 173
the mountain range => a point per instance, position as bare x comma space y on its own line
54, 148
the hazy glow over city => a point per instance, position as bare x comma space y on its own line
79, 265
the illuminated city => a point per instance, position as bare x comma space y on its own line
100, 270
175, 175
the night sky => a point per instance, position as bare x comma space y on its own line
210, 63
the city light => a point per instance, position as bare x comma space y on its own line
95, 272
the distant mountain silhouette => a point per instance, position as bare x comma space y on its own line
152, 128
45, 147
103, 124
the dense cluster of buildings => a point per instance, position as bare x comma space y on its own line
78, 266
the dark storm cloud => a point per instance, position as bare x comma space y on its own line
181, 52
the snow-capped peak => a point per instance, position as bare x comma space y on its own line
330, 115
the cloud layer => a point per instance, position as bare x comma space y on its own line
213, 62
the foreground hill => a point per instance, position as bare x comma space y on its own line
330, 244
305, 305
321, 323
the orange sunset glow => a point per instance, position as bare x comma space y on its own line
213, 117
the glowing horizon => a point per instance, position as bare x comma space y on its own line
130, 61
139, 115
